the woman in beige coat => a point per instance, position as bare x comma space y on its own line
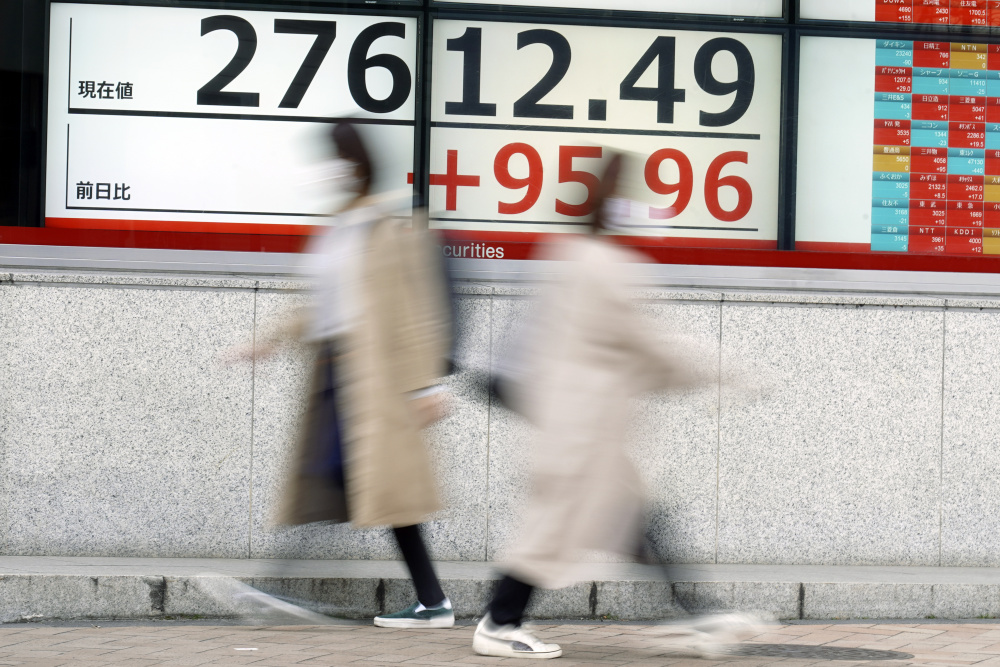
586, 355
379, 323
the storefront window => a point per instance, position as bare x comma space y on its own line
757, 132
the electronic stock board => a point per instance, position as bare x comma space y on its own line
193, 119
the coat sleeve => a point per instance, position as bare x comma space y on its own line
423, 318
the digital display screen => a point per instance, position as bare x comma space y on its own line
754, 8
928, 139
982, 13
182, 119
523, 116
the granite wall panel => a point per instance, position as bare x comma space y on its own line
124, 433
831, 441
970, 523
838, 462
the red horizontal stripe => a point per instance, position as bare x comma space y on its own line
181, 226
455, 235
112, 238
521, 245
826, 246
807, 256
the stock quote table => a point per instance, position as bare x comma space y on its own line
939, 12
936, 167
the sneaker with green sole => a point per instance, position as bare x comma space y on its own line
419, 616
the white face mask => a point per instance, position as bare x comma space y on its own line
337, 174
617, 213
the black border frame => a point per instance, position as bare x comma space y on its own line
604, 14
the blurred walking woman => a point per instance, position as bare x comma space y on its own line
585, 355
379, 321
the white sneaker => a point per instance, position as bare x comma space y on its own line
728, 627
712, 634
510, 641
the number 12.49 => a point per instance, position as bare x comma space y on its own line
665, 94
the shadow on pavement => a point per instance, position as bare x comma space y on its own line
807, 652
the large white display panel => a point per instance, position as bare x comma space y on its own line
836, 106
522, 115
756, 8
842, 10
167, 118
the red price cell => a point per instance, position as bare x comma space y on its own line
936, 55
890, 136
924, 160
930, 107
932, 11
893, 83
967, 135
994, 15
967, 109
969, 218
993, 110
894, 11
964, 240
892, 132
924, 238
966, 219
931, 213
967, 215
929, 186
970, 12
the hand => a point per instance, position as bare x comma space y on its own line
431, 408
247, 352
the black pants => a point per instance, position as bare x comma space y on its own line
510, 601
410, 542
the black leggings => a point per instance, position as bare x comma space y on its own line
510, 601
410, 542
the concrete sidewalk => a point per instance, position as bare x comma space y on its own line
38, 588
166, 643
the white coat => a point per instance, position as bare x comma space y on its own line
588, 354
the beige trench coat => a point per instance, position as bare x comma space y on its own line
589, 355
399, 345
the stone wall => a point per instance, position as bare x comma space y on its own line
874, 440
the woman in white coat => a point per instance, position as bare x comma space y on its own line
589, 354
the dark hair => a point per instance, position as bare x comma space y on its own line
609, 183
349, 146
